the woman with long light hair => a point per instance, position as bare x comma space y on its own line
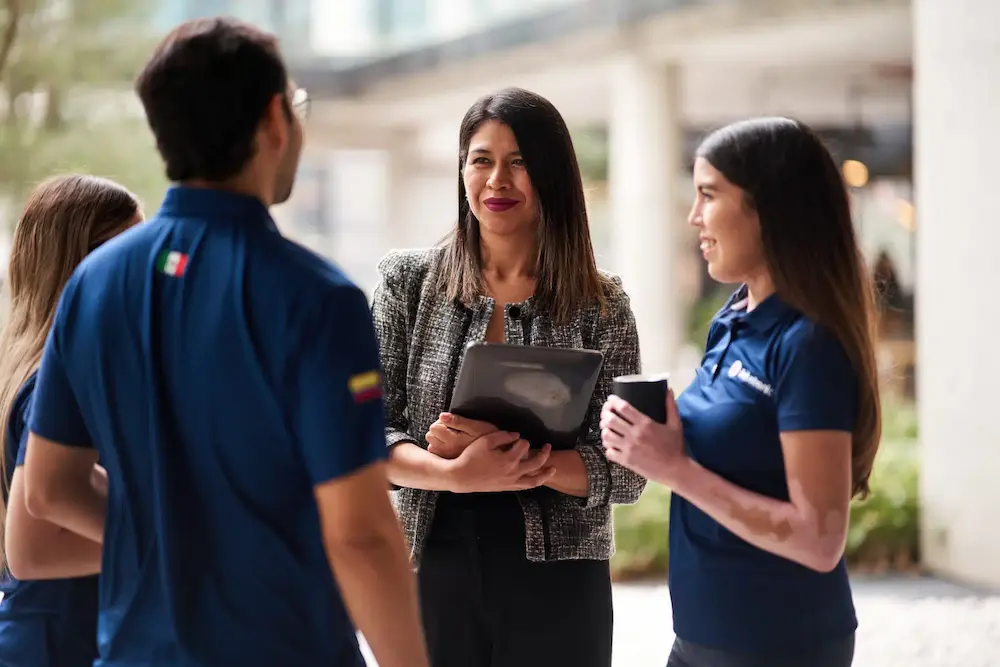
48, 615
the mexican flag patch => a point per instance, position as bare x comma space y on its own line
172, 263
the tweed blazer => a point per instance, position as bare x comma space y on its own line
422, 337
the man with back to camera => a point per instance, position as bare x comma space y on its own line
228, 381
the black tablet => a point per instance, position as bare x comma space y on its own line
540, 392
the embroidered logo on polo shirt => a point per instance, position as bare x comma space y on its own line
172, 263
738, 372
365, 386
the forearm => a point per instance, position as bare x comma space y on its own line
570, 475
63, 555
414, 467
379, 590
40, 549
801, 535
76, 505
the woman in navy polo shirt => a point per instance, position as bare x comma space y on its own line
781, 423
51, 623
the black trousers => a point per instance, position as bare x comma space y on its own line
485, 605
835, 654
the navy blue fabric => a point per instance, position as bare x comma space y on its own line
217, 396
43, 623
764, 372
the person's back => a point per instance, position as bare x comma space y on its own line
196, 321
229, 381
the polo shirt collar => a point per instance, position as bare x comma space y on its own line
762, 318
191, 202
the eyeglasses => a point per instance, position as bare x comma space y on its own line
300, 103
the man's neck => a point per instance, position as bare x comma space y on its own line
236, 185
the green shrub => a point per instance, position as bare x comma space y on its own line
899, 419
884, 529
641, 535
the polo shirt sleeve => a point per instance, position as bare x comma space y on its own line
336, 406
816, 387
24, 410
55, 413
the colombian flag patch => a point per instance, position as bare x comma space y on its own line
365, 386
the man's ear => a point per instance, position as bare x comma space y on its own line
274, 124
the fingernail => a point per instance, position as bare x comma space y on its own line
445, 417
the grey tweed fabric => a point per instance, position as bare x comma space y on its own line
422, 337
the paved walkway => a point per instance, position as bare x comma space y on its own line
911, 622
903, 622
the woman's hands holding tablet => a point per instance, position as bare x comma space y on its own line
450, 434
500, 461
485, 458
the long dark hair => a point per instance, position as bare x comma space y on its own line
792, 182
567, 275
64, 218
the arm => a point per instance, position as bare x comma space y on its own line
336, 409
58, 488
412, 466
585, 472
811, 527
368, 556
815, 395
391, 317
59, 460
571, 474
37, 549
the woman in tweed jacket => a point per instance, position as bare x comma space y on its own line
511, 546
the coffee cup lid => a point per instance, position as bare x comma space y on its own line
643, 377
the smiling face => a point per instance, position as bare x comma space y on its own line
729, 228
497, 183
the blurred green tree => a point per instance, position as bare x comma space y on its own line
66, 68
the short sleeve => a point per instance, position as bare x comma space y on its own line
16, 438
55, 413
336, 402
22, 435
816, 386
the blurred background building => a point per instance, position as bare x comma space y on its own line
905, 92
639, 81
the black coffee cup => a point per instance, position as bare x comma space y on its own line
646, 393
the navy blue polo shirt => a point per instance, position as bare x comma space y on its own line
221, 372
43, 623
764, 372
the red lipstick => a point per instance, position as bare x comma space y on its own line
500, 204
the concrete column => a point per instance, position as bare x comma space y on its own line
645, 153
362, 212
421, 187
957, 103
